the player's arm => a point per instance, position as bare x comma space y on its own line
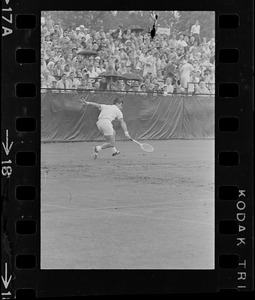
124, 127
94, 104
91, 103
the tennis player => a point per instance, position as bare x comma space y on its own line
108, 114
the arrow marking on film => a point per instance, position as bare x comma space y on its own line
6, 145
5, 280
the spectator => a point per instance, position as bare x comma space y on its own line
211, 43
207, 51
122, 69
197, 76
135, 88
185, 74
128, 67
83, 84
195, 31
43, 65
138, 70
101, 68
74, 82
78, 34
181, 42
43, 85
54, 86
170, 70
58, 70
103, 84
202, 89
111, 86
154, 81
89, 86
173, 43
156, 89
97, 85
121, 87
192, 40
91, 71
67, 69
192, 84
160, 76
47, 79
168, 87
78, 73
143, 89
63, 83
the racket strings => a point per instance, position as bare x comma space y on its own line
147, 147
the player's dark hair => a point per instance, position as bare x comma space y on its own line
117, 100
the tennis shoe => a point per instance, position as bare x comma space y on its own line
95, 153
116, 153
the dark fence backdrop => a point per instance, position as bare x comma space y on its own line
64, 118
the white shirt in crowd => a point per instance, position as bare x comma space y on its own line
92, 73
182, 43
195, 29
110, 112
169, 88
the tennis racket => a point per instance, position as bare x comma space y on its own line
145, 147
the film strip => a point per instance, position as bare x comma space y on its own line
21, 166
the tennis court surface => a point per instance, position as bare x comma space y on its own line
136, 210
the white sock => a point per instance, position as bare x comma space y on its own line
99, 148
114, 150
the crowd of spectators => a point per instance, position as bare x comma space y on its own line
183, 63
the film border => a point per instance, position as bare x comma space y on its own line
234, 274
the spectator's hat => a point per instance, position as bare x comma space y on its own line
97, 58
77, 28
138, 67
128, 41
82, 26
143, 84
51, 63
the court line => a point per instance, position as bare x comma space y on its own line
123, 214
110, 207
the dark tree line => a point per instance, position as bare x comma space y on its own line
179, 22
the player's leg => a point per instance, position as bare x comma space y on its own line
107, 130
110, 143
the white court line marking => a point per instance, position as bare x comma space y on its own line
111, 207
124, 214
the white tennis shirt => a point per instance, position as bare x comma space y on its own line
110, 112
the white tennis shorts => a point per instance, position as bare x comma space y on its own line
105, 126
